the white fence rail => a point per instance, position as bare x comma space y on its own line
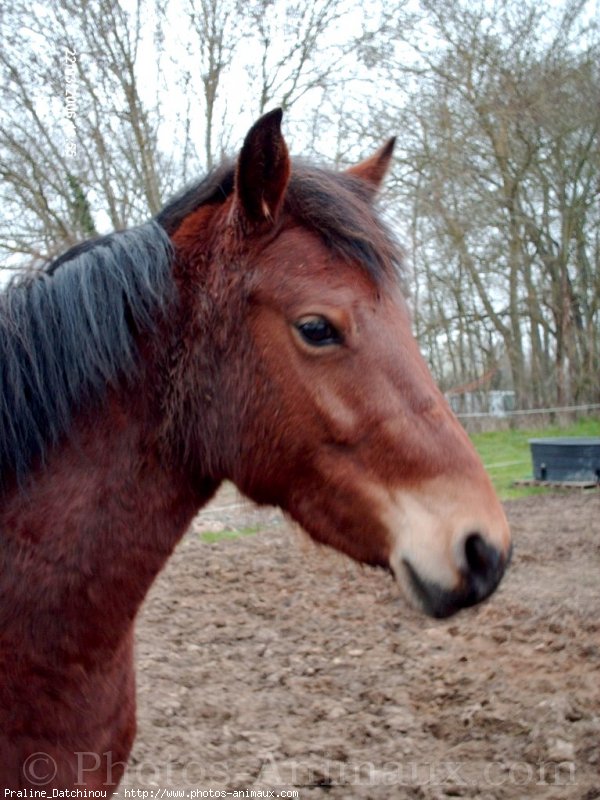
525, 411
481, 421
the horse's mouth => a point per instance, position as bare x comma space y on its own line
440, 602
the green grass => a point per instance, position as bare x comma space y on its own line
233, 533
507, 457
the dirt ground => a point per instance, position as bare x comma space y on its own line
266, 662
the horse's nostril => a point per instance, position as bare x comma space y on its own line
482, 558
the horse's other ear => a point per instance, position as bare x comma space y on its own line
373, 169
263, 170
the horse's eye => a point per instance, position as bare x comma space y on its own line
318, 331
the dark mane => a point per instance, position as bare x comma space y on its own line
214, 189
67, 333
336, 206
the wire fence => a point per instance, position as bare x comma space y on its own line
480, 421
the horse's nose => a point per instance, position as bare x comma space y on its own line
451, 544
481, 566
484, 566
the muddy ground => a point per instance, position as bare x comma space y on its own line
266, 662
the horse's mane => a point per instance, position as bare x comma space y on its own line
334, 205
67, 333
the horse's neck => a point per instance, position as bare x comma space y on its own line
85, 538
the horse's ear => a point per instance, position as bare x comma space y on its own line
373, 169
263, 170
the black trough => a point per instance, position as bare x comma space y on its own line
568, 458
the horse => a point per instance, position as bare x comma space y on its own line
254, 331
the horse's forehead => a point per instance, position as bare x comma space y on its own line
300, 255
296, 247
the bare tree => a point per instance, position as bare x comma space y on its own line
77, 141
500, 141
214, 38
106, 111
293, 48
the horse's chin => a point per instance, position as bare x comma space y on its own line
425, 596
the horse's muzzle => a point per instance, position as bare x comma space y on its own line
483, 571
